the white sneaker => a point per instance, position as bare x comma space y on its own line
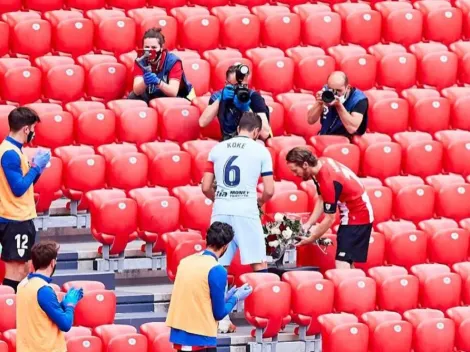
226, 326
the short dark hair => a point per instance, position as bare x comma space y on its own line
301, 155
250, 121
43, 253
219, 235
230, 71
154, 33
21, 117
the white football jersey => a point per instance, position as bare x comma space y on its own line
238, 164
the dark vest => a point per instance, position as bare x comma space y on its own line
331, 123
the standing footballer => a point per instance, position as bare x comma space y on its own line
236, 165
337, 186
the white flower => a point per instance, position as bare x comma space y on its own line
279, 217
287, 233
273, 243
275, 231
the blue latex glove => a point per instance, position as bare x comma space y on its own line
151, 79
41, 158
242, 106
230, 293
72, 297
243, 292
228, 93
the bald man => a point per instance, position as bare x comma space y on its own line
344, 116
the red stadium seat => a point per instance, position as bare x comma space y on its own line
387, 112
8, 307
29, 34
62, 81
85, 5
181, 251
10, 338
151, 227
376, 252
48, 188
98, 307
442, 22
126, 4
197, 71
259, 312
311, 296
146, 18
83, 171
280, 186
361, 25
84, 344
105, 207
396, 290
463, 269
236, 269
196, 20
114, 32
21, 83
429, 112
166, 4
457, 148
440, 181
116, 338
76, 108
6, 290
421, 155
437, 67
4, 127
296, 123
55, 130
179, 123
447, 244
388, 333
401, 23
396, 68
431, 331
171, 241
195, 208
3, 346
381, 200
380, 159
320, 26
86, 285
95, 127
439, 288
352, 283
461, 318
346, 154
279, 27
460, 100
360, 67
10, 6
137, 125
71, 33
282, 142
199, 151
343, 332
153, 330
312, 67
461, 49
103, 72
404, 244
170, 169
120, 106
413, 200
370, 182
238, 27
125, 169
287, 202
276, 117
451, 193
269, 62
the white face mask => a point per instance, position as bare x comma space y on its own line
344, 97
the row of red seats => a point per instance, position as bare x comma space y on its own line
234, 26
59, 78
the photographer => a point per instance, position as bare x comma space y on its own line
157, 72
343, 108
232, 101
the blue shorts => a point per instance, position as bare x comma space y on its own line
249, 237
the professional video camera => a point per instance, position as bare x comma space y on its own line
241, 90
328, 95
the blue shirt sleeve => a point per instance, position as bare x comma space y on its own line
11, 165
217, 283
62, 317
214, 97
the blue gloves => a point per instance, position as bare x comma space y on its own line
244, 107
228, 93
72, 297
151, 79
41, 159
243, 292
229, 294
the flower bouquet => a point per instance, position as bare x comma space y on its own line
284, 233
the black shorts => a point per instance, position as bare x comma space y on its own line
17, 239
353, 243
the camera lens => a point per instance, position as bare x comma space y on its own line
243, 95
327, 96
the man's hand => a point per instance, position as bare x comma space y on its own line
336, 102
318, 97
306, 227
229, 294
41, 159
244, 107
151, 79
304, 241
228, 93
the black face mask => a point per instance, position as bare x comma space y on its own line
30, 137
53, 270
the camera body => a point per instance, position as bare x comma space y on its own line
241, 90
328, 95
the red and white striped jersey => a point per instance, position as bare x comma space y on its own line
340, 187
